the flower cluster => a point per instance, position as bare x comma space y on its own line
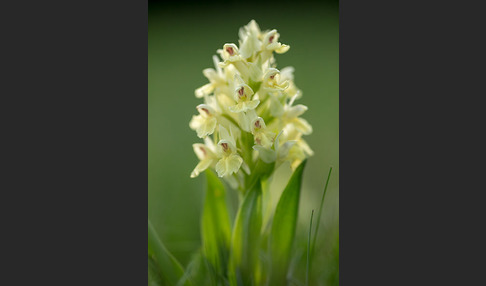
248, 112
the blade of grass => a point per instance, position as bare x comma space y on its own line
154, 277
170, 269
283, 227
215, 225
246, 238
320, 212
308, 251
196, 270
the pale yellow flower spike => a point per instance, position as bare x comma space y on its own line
245, 93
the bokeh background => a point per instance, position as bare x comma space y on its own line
182, 37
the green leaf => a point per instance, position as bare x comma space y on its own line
170, 269
244, 262
215, 226
283, 228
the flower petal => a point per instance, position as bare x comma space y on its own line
244, 106
296, 111
276, 108
267, 155
228, 165
283, 150
204, 90
203, 165
287, 73
302, 125
201, 150
282, 49
207, 127
195, 122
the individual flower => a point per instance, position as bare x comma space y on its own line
205, 122
274, 87
250, 39
216, 79
291, 116
206, 153
243, 96
230, 161
231, 55
262, 136
278, 153
271, 44
287, 74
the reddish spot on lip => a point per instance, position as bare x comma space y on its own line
272, 76
271, 39
241, 91
230, 50
205, 110
257, 124
225, 146
202, 149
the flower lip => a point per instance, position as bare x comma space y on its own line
225, 146
205, 110
230, 52
243, 92
271, 37
257, 125
271, 73
203, 150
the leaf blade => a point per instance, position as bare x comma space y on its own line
215, 226
283, 227
246, 238
170, 269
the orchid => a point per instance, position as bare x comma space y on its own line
251, 134
248, 97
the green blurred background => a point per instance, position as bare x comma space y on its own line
181, 41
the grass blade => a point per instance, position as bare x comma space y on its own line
154, 277
283, 227
320, 211
197, 271
307, 268
215, 225
170, 269
246, 238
